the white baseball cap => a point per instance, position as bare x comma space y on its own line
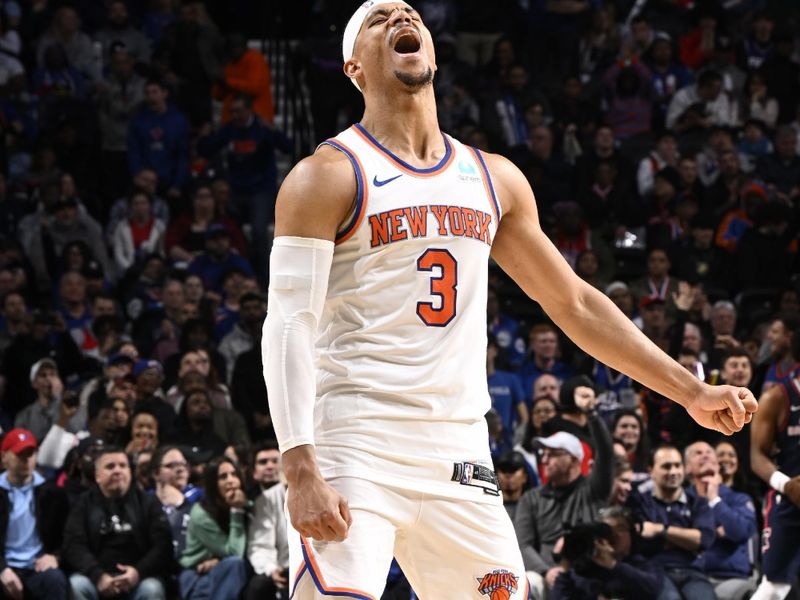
353, 28
562, 440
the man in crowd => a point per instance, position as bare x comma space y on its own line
117, 540
32, 512
569, 497
514, 480
44, 412
727, 561
544, 354
676, 527
267, 544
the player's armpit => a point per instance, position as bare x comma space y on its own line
316, 196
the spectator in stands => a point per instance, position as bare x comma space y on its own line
753, 144
665, 154
568, 497
218, 258
697, 259
757, 46
779, 347
614, 570
728, 459
161, 317
158, 139
740, 218
43, 341
32, 513
513, 479
737, 368
727, 561
251, 144
145, 180
628, 427
543, 356
66, 32
628, 92
543, 409
141, 235
197, 364
267, 544
213, 560
15, 318
246, 73
149, 375
117, 539
170, 471
623, 482
39, 416
143, 433
505, 390
668, 76
118, 97
700, 106
120, 34
246, 332
656, 283
197, 425
783, 74
505, 330
757, 103
676, 527
781, 170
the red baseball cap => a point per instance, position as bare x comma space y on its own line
18, 440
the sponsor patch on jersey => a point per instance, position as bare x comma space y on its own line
499, 584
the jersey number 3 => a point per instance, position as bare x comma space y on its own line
443, 285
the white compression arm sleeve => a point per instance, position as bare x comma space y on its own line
298, 283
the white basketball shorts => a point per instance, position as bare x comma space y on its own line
447, 548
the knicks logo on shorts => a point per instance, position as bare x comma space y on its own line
498, 585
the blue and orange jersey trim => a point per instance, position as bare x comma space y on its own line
449, 153
349, 229
487, 183
310, 566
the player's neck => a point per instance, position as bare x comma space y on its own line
408, 127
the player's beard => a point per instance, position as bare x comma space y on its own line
416, 81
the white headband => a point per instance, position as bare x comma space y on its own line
354, 27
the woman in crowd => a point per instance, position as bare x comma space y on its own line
213, 560
629, 429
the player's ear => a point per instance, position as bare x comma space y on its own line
352, 68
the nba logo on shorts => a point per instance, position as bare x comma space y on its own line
498, 585
467, 476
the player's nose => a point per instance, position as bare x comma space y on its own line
399, 17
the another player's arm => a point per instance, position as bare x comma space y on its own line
313, 201
589, 318
771, 411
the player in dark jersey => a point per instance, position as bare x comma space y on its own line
777, 424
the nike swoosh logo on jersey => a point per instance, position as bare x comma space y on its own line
385, 181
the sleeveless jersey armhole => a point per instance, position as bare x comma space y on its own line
355, 216
487, 183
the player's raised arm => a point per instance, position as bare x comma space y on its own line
590, 319
314, 199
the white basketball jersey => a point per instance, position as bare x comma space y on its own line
401, 352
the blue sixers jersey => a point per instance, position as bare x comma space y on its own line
787, 437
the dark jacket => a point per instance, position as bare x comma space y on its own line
634, 577
729, 556
83, 543
50, 510
543, 512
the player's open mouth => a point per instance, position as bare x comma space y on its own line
407, 41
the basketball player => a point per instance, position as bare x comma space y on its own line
778, 425
374, 343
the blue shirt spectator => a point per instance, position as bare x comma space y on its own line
734, 516
218, 259
676, 527
507, 396
250, 146
158, 139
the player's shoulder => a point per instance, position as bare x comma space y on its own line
508, 180
316, 195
